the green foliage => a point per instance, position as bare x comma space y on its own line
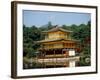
80, 32
83, 61
30, 36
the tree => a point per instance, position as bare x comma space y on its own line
30, 36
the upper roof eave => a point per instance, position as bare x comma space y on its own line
57, 29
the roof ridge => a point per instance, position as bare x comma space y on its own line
56, 28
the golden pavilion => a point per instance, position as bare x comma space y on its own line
58, 49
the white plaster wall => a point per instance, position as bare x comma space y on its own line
71, 52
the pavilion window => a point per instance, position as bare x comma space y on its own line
69, 44
66, 44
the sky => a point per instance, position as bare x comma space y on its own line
40, 18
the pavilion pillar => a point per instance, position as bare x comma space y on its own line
44, 64
72, 62
42, 57
54, 58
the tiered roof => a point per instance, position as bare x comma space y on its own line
57, 28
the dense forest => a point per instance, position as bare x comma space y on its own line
81, 32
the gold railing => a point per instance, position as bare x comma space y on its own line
59, 47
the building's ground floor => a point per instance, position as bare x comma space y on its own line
55, 58
56, 53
